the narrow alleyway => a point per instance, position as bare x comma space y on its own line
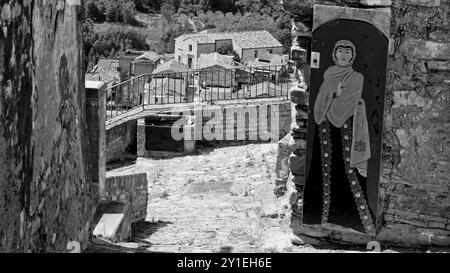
219, 200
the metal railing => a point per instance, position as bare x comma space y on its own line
206, 85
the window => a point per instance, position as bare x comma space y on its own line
270, 51
179, 58
190, 62
256, 54
190, 47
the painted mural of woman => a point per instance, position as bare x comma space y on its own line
340, 113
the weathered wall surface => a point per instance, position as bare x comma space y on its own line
132, 189
121, 140
45, 192
415, 194
416, 170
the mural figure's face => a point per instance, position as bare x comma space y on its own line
344, 56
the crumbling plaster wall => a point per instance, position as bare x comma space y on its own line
415, 188
46, 194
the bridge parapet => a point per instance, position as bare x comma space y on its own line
206, 85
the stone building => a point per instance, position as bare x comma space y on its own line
248, 45
414, 198
136, 63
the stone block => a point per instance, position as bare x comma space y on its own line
425, 3
436, 225
314, 231
276, 240
423, 49
299, 135
305, 240
403, 214
297, 164
299, 96
301, 113
376, 2
439, 65
352, 238
112, 221
297, 144
401, 234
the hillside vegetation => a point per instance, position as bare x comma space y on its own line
114, 26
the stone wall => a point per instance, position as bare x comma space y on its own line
416, 163
121, 141
158, 134
46, 195
131, 189
231, 117
415, 194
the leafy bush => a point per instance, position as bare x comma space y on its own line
109, 44
122, 11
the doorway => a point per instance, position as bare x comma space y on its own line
337, 192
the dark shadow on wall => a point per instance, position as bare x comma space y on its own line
140, 231
127, 160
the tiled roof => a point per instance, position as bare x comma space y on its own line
245, 39
105, 71
150, 55
215, 59
204, 39
249, 39
171, 66
108, 63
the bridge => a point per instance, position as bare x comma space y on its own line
153, 94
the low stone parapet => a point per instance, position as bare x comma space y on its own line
131, 189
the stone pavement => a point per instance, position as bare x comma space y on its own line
211, 217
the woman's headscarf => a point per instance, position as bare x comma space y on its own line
344, 43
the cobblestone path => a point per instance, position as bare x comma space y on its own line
218, 200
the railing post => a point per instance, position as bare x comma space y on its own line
96, 123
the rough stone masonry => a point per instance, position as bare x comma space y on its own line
415, 186
46, 194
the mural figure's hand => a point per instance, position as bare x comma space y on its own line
340, 88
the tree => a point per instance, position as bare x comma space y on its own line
228, 50
147, 6
93, 12
111, 10
167, 10
110, 43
